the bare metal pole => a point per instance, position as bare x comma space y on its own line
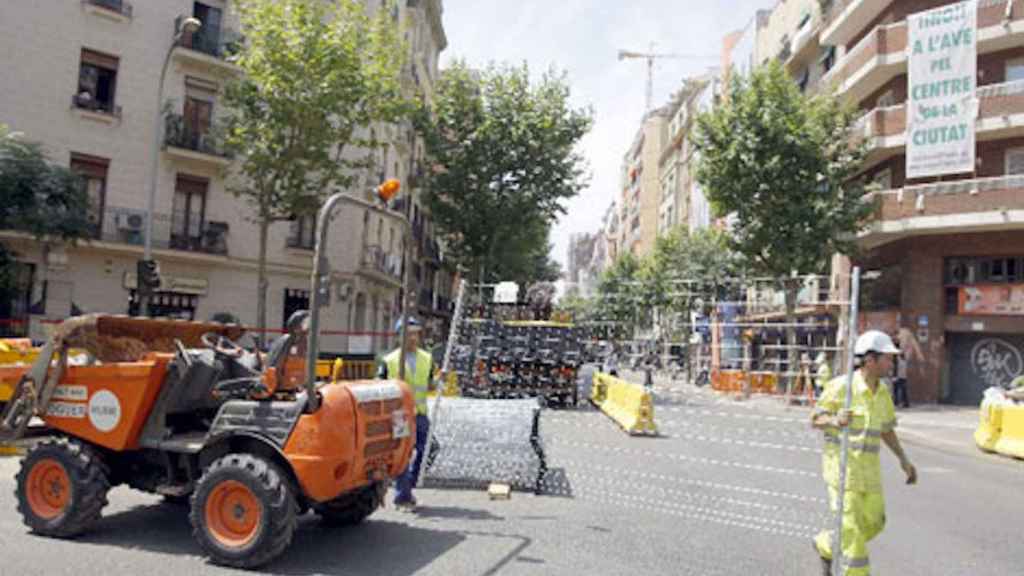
453, 338
320, 282
844, 436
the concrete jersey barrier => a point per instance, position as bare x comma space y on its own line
627, 404
1001, 429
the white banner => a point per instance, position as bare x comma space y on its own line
941, 104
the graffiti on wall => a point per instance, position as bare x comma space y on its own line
996, 362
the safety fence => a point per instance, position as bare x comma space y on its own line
749, 468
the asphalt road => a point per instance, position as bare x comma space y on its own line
727, 488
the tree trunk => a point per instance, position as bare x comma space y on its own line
792, 364
261, 283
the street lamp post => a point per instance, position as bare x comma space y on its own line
189, 25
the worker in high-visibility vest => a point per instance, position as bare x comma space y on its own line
870, 421
419, 374
824, 372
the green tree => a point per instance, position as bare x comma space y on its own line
687, 271
315, 76
505, 158
619, 293
784, 165
39, 198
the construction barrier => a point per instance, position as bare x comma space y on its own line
1011, 434
732, 381
990, 422
477, 442
599, 388
627, 404
1001, 429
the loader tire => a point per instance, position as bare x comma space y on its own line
350, 509
62, 488
243, 511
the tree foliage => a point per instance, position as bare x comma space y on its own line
315, 76
40, 198
505, 159
782, 163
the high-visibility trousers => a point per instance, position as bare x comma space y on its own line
863, 519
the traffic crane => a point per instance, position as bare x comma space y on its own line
651, 56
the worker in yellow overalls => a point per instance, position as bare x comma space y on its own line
870, 421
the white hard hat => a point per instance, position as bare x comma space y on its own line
874, 341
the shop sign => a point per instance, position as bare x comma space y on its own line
992, 300
941, 106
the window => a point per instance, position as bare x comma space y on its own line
827, 58
97, 82
805, 19
302, 233
1015, 70
14, 307
199, 98
207, 38
189, 213
1015, 161
887, 99
294, 301
93, 171
970, 271
883, 178
803, 78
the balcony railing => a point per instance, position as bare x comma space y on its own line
995, 101
426, 299
121, 225
891, 39
121, 7
375, 259
86, 102
431, 250
220, 43
957, 197
180, 134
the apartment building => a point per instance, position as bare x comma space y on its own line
945, 253
84, 83
641, 183
682, 202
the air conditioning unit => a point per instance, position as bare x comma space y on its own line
130, 222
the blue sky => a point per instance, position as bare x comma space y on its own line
583, 38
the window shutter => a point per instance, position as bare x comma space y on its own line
99, 59
89, 166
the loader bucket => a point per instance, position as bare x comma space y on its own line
108, 339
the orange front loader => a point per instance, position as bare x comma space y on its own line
178, 409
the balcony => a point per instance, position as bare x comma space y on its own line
127, 226
430, 250
209, 48
183, 140
426, 299
94, 109
981, 204
1000, 115
118, 10
378, 265
882, 54
843, 19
